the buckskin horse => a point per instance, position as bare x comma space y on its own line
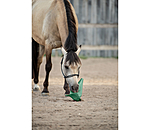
54, 25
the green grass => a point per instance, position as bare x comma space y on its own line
83, 57
115, 57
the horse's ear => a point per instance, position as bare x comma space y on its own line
63, 50
78, 51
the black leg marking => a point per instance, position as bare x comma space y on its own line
35, 53
37, 56
48, 68
39, 61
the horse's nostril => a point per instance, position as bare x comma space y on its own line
72, 87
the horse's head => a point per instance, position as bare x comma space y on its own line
70, 68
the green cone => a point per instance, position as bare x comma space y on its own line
76, 96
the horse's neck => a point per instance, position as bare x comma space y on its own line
62, 22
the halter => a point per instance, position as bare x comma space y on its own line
68, 75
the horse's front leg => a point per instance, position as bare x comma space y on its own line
48, 67
37, 55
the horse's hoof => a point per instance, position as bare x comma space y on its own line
45, 93
36, 88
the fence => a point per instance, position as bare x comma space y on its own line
98, 27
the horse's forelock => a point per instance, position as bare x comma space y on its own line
72, 58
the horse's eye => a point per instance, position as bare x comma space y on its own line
66, 67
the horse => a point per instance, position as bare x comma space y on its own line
55, 25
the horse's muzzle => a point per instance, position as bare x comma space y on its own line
75, 88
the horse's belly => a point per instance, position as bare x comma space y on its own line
39, 11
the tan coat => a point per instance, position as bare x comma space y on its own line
49, 22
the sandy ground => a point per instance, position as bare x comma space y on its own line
99, 108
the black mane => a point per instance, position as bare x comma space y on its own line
71, 41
